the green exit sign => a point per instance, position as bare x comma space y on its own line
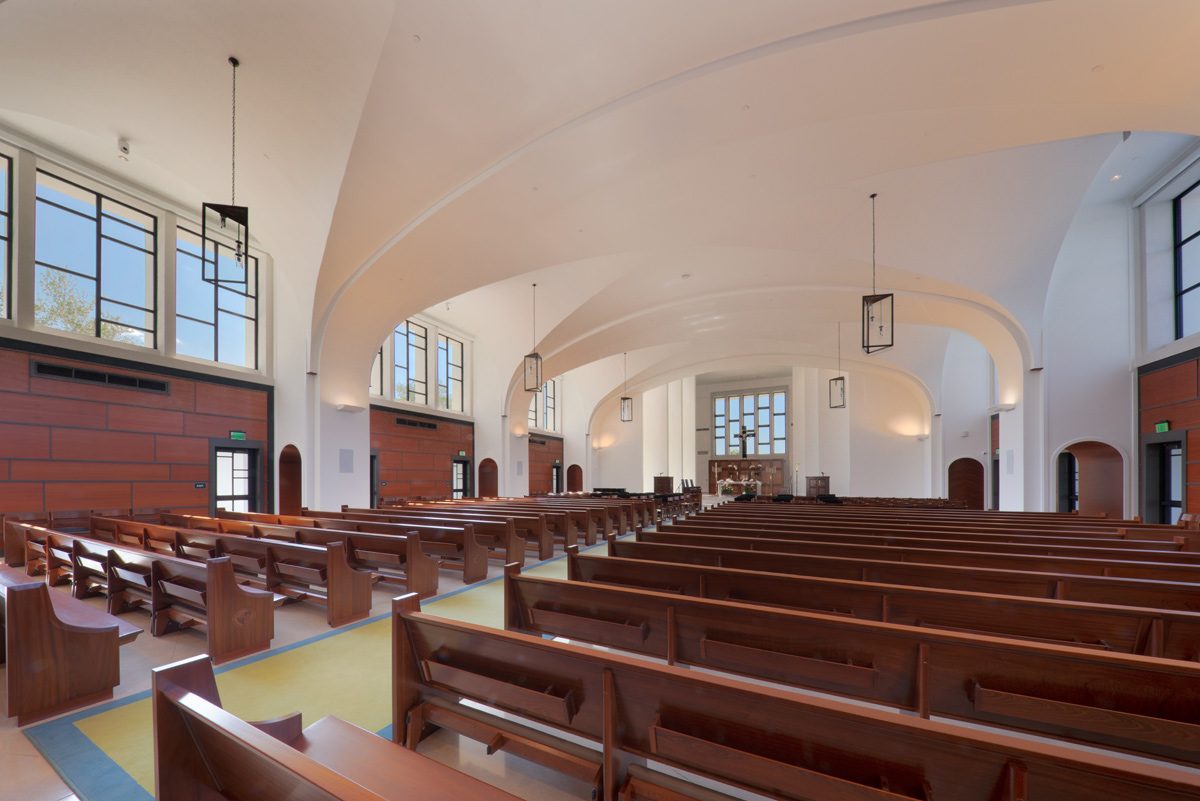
462, 453
1162, 428
237, 434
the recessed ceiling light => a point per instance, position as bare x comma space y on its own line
686, 276
1115, 178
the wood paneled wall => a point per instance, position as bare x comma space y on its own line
1173, 394
66, 445
414, 460
543, 452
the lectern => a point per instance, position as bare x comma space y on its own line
664, 485
817, 485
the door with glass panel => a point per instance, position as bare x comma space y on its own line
1171, 486
236, 479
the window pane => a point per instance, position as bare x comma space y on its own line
65, 240
735, 408
780, 427
780, 403
720, 406
65, 194
1191, 264
1191, 312
127, 275
720, 446
195, 339
64, 301
1189, 210
235, 340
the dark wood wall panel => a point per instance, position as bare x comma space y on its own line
1181, 416
544, 453
1172, 385
66, 445
415, 462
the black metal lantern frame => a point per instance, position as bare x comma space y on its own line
837, 392
223, 214
533, 372
627, 410
878, 322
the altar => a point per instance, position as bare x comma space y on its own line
729, 486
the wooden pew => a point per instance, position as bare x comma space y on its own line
604, 519
1133, 703
319, 571
180, 594
783, 746
59, 652
534, 530
1133, 630
1063, 586
1163, 567
833, 533
457, 546
390, 557
503, 540
203, 753
239, 620
586, 523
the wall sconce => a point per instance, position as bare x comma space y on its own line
350, 408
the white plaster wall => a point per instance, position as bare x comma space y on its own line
833, 448
1087, 373
617, 454
655, 442
885, 418
966, 381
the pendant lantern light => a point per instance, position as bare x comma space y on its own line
533, 362
877, 314
221, 214
837, 386
626, 401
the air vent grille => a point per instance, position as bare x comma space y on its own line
84, 376
533, 441
403, 421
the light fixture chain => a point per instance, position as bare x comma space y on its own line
535, 316
233, 138
839, 347
873, 292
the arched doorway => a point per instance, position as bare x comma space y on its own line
290, 481
1095, 483
966, 482
574, 478
489, 479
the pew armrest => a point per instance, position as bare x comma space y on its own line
285, 728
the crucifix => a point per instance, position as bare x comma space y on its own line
742, 436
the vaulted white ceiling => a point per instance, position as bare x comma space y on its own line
397, 155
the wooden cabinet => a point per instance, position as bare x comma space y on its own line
817, 485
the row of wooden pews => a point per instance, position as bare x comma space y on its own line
630, 711
1064, 628
177, 592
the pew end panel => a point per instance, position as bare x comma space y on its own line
54, 665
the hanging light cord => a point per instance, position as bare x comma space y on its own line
839, 347
233, 139
873, 195
535, 316
625, 370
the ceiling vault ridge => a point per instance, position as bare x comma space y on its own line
891, 19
